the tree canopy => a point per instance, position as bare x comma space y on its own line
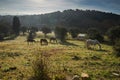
46, 30
16, 25
60, 33
114, 34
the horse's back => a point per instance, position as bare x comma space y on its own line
93, 42
52, 38
43, 41
30, 40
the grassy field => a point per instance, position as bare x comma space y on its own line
16, 59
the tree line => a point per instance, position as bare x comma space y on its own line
80, 19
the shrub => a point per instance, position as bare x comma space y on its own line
5, 29
93, 33
45, 30
40, 69
116, 48
61, 33
74, 32
113, 34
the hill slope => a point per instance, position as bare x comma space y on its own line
70, 18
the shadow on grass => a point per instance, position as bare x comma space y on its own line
11, 37
100, 50
68, 44
107, 43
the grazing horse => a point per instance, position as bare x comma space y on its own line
92, 42
53, 39
43, 42
30, 40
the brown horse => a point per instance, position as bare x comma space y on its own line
43, 42
53, 39
30, 41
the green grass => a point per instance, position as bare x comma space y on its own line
100, 65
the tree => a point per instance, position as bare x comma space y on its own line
74, 32
46, 30
16, 25
60, 33
23, 29
93, 33
114, 34
34, 29
4, 29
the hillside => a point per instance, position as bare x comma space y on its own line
82, 19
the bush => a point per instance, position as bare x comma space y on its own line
61, 33
45, 30
40, 68
74, 32
5, 29
116, 48
93, 33
113, 34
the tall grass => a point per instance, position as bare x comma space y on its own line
40, 68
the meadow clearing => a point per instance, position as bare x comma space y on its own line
16, 59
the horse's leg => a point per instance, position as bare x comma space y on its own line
32, 42
50, 40
46, 43
28, 43
99, 46
56, 41
94, 46
87, 45
40, 42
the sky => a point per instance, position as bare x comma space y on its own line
28, 7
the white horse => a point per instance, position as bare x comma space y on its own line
90, 42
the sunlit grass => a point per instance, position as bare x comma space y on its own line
17, 53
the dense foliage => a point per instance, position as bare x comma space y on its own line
16, 25
114, 34
46, 30
93, 33
74, 32
60, 33
4, 29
